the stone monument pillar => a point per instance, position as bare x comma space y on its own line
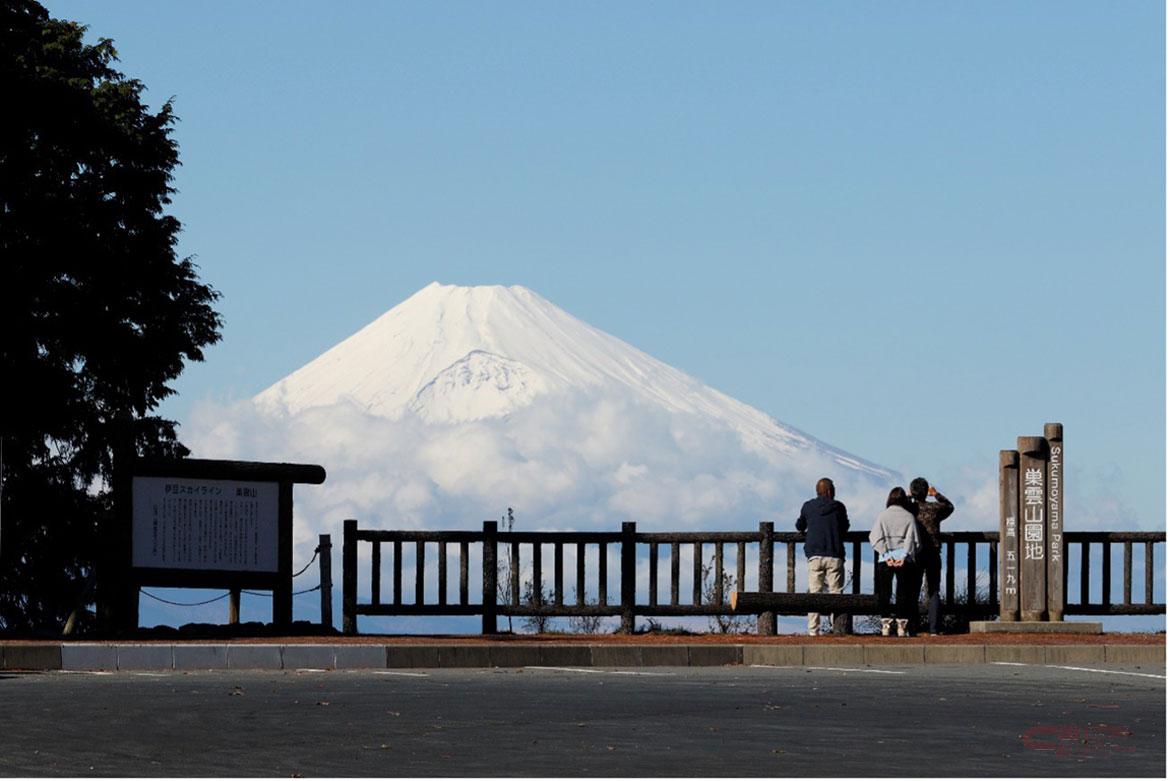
1009, 537
1032, 565
1054, 434
1033, 528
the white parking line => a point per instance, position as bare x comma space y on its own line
834, 669
859, 670
394, 672
598, 672
1082, 669
1107, 672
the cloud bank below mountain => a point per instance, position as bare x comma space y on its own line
584, 461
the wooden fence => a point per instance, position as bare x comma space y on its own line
979, 556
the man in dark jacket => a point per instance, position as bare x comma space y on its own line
930, 516
824, 522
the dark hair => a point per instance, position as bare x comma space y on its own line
897, 498
919, 488
825, 488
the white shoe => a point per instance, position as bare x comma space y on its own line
887, 623
903, 627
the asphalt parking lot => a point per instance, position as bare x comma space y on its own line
994, 719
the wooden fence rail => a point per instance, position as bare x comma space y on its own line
720, 563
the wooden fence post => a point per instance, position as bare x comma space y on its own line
629, 573
766, 623
490, 574
325, 551
349, 578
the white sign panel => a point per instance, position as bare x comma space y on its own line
180, 523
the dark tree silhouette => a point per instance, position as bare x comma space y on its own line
97, 313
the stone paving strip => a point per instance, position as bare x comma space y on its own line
322, 656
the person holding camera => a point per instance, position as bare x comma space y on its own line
894, 538
930, 516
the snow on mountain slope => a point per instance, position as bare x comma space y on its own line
451, 354
462, 402
478, 385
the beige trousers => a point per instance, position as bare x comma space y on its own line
825, 573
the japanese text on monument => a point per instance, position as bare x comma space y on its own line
1011, 568
1034, 514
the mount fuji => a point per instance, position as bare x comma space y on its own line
451, 354
462, 401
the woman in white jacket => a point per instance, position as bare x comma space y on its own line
894, 538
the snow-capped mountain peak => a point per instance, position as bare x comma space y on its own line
452, 354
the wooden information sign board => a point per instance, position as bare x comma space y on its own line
196, 523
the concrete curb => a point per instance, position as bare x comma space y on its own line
308, 657
200, 657
1016, 654
79, 657
1125, 654
774, 655
89, 656
146, 657
834, 655
254, 657
32, 657
954, 654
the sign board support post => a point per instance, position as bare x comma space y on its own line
282, 590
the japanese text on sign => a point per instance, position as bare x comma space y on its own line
180, 523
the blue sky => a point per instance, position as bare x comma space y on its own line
914, 230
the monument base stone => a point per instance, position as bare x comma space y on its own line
1038, 627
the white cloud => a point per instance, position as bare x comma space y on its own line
585, 461
1093, 501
